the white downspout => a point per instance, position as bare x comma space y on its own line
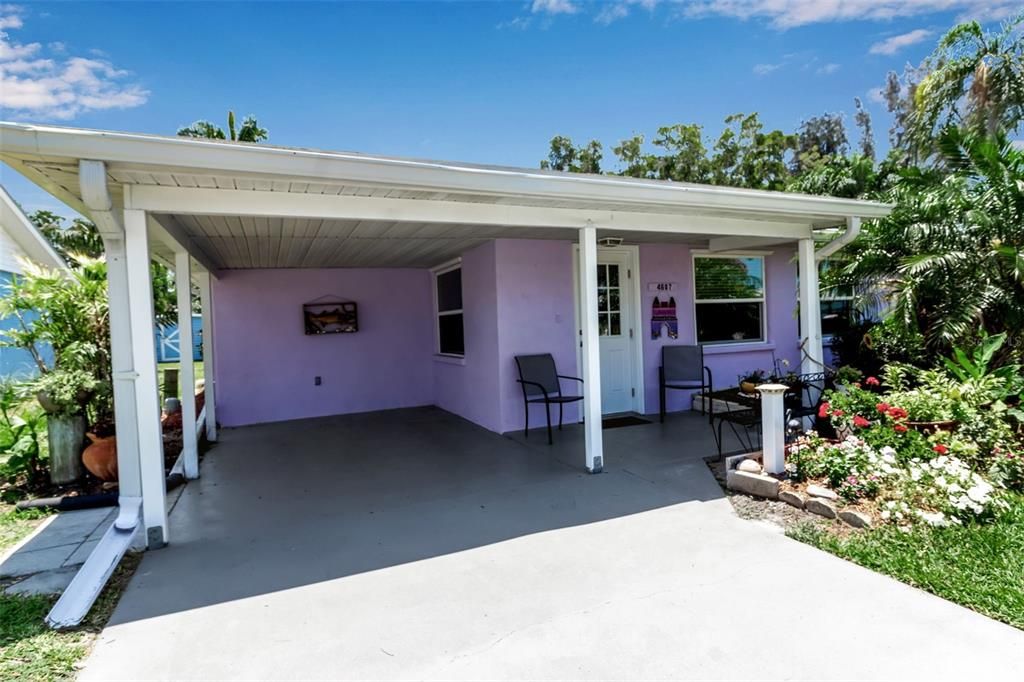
852, 230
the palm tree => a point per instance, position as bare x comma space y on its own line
974, 79
249, 132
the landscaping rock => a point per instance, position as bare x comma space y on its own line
818, 491
753, 484
750, 466
792, 498
855, 518
820, 507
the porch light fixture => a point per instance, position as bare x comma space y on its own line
610, 241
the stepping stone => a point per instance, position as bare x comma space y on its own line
792, 498
855, 518
820, 507
47, 582
818, 491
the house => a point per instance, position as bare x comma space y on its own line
455, 269
19, 241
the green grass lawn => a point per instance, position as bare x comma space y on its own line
14, 525
29, 650
175, 365
978, 566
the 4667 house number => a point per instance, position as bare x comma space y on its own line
662, 287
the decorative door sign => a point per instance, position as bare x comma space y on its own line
662, 287
664, 314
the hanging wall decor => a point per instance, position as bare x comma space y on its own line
664, 314
331, 317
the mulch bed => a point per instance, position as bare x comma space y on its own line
775, 512
89, 484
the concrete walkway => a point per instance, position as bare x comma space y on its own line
414, 545
47, 560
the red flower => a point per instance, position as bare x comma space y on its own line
900, 427
860, 421
882, 407
872, 381
940, 448
823, 411
837, 413
897, 413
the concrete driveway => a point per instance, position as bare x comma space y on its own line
414, 545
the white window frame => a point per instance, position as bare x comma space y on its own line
763, 300
435, 272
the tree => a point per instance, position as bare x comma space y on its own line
951, 255
249, 132
81, 241
867, 138
974, 79
744, 156
563, 155
819, 139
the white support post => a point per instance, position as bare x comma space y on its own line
591, 350
147, 396
129, 482
812, 359
773, 427
209, 373
183, 285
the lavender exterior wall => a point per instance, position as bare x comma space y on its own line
674, 263
266, 363
536, 314
470, 388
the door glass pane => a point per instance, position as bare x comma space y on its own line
602, 275
613, 300
615, 325
613, 275
602, 300
602, 324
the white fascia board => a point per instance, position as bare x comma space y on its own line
206, 156
200, 201
25, 234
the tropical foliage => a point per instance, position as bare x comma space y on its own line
249, 132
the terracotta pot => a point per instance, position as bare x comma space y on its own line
929, 428
748, 387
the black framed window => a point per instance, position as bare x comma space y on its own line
448, 297
729, 298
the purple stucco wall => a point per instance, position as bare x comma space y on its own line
535, 315
265, 363
470, 388
517, 299
674, 263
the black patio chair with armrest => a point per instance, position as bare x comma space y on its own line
806, 402
541, 384
742, 423
682, 367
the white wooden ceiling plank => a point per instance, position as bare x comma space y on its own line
245, 184
262, 185
205, 181
184, 179
281, 185
298, 187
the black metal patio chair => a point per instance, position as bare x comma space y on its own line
744, 424
541, 384
682, 367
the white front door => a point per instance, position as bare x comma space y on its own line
615, 328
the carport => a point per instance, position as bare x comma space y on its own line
261, 229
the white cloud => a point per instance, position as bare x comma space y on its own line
765, 69
827, 69
554, 7
612, 12
891, 46
48, 88
791, 13
877, 95
10, 21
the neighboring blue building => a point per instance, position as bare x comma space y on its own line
168, 347
19, 240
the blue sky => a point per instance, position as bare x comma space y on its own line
485, 81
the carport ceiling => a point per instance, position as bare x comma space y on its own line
235, 242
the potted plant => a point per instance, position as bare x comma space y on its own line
751, 380
64, 394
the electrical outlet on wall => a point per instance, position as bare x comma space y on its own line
316, 381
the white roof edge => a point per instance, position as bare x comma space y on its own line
211, 156
26, 235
